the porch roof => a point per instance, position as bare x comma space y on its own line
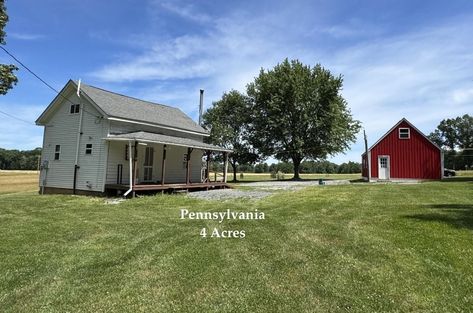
142, 136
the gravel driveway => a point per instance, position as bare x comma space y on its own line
259, 190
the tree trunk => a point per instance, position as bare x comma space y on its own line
297, 163
234, 166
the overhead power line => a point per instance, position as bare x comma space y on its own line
28, 69
16, 118
43, 81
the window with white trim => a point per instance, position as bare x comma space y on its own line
57, 152
404, 133
88, 148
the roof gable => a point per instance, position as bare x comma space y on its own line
114, 105
403, 120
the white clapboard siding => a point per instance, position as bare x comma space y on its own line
62, 130
175, 164
116, 156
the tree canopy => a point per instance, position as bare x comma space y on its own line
297, 112
455, 137
19, 160
452, 133
7, 75
227, 120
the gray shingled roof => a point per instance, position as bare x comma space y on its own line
120, 106
164, 139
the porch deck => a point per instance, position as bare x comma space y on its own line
168, 187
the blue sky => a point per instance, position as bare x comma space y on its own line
410, 59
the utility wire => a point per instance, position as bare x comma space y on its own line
28, 69
17, 118
44, 82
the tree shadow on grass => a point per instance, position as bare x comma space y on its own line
457, 179
456, 215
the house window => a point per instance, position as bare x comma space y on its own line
57, 152
404, 133
75, 108
88, 148
127, 153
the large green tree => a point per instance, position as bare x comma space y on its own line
452, 133
7, 75
298, 112
455, 137
227, 120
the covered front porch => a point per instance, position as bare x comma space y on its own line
142, 161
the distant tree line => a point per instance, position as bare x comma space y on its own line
455, 137
306, 167
19, 160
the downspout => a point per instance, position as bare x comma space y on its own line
79, 134
130, 158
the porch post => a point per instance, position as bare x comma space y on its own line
208, 166
130, 160
225, 166
135, 159
163, 165
188, 165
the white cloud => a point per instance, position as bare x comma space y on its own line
185, 11
25, 36
353, 28
423, 74
463, 96
15, 134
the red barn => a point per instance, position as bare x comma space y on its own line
404, 152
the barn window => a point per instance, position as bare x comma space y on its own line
75, 108
57, 152
404, 133
126, 152
88, 148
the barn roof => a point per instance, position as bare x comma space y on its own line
115, 105
394, 127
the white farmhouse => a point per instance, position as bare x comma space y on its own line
97, 141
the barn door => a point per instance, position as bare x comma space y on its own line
383, 167
148, 164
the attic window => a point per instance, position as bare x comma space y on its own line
75, 108
404, 133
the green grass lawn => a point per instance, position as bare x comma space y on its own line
351, 248
267, 176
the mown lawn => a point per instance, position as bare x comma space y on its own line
351, 248
267, 176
